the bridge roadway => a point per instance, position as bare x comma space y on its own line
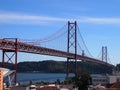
9, 45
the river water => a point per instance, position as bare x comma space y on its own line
37, 77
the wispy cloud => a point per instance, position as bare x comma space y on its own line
17, 18
103, 20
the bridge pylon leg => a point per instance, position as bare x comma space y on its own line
10, 56
67, 75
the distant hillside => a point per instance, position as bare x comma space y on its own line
51, 66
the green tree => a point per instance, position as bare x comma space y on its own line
68, 81
57, 81
82, 80
30, 82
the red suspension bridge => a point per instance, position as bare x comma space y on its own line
71, 52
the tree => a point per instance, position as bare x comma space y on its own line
82, 80
31, 82
68, 81
57, 81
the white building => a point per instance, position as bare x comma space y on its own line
106, 79
113, 78
99, 79
8, 75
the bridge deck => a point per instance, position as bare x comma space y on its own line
28, 48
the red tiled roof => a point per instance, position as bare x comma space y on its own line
47, 88
115, 85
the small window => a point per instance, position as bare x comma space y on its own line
118, 79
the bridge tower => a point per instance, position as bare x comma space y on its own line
10, 56
72, 44
104, 53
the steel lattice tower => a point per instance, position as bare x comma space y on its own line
11, 56
72, 44
104, 54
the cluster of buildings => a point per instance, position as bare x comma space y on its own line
106, 82
99, 82
111, 82
106, 79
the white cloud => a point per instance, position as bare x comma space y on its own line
17, 18
100, 20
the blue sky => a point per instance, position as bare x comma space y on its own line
98, 20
